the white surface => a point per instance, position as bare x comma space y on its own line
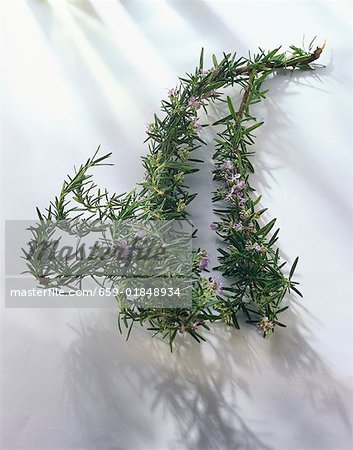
79, 74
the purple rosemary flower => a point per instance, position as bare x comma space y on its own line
256, 247
173, 92
216, 285
140, 234
214, 226
228, 164
241, 185
197, 323
196, 124
230, 193
241, 199
204, 72
204, 262
234, 177
265, 325
237, 226
44, 281
194, 102
123, 250
182, 328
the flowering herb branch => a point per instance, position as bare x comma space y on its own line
248, 257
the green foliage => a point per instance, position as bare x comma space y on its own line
248, 258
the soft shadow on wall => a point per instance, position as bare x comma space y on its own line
202, 387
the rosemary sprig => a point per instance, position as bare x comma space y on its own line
248, 259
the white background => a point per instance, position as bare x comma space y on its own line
77, 74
